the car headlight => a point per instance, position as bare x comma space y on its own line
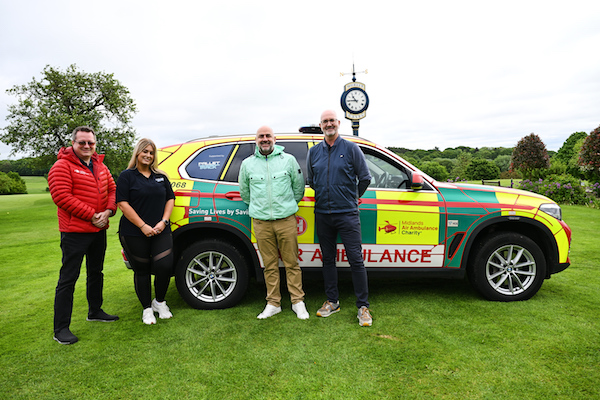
552, 209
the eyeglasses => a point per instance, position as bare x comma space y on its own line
326, 121
83, 142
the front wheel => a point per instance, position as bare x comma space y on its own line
211, 274
507, 267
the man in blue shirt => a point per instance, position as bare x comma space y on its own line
338, 172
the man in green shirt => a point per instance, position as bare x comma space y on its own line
272, 184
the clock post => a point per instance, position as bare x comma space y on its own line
355, 124
355, 101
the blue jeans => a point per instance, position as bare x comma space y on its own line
347, 225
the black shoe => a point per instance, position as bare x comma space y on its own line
65, 337
102, 317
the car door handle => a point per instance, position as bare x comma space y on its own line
233, 196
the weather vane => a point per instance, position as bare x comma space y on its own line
354, 73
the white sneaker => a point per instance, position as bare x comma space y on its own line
300, 310
269, 311
162, 309
148, 316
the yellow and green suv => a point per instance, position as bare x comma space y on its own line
506, 241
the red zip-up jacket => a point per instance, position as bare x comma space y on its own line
78, 193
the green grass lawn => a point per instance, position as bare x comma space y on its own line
503, 182
35, 184
430, 338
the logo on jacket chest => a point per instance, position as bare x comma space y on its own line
82, 172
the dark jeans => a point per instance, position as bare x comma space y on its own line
74, 247
148, 255
347, 225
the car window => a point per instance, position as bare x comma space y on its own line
298, 150
242, 152
385, 175
209, 163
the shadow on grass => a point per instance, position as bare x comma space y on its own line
380, 290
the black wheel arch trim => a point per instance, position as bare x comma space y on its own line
547, 244
223, 231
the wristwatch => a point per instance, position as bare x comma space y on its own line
166, 222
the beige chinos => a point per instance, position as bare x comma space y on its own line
270, 237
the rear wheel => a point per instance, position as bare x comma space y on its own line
211, 274
507, 267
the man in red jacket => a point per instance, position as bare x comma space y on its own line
84, 191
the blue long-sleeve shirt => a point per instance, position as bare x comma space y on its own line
338, 174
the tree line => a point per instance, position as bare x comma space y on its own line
579, 157
460, 163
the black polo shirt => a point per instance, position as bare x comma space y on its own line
147, 196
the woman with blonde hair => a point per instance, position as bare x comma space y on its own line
146, 199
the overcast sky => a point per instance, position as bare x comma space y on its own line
440, 73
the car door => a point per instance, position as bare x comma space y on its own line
234, 210
401, 227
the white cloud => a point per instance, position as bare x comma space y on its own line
445, 74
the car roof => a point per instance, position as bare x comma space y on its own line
287, 136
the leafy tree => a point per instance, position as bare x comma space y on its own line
465, 149
557, 167
567, 151
419, 154
480, 168
48, 110
459, 171
589, 155
573, 166
432, 154
412, 160
491, 153
446, 162
12, 183
530, 156
503, 162
399, 150
25, 167
450, 153
487, 153
5, 184
435, 170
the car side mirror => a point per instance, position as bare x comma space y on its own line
416, 181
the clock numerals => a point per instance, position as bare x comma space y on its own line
356, 100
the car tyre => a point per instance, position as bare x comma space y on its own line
211, 274
507, 267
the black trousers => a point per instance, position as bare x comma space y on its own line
147, 256
347, 225
74, 247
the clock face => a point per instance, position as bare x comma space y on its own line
356, 100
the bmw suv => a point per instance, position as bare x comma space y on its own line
506, 241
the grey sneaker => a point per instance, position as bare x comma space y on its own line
328, 308
364, 317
